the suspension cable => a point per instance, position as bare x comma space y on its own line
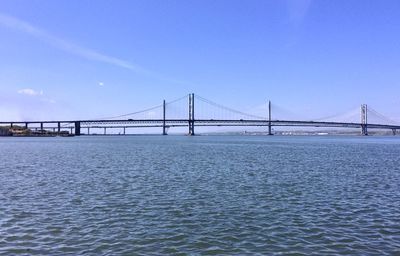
345, 115
133, 113
384, 118
227, 108
181, 98
142, 111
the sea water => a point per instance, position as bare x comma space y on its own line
200, 195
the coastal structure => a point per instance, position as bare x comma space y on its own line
4, 131
20, 131
167, 120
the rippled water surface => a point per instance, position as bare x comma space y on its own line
205, 195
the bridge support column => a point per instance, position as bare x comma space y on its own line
394, 131
164, 127
88, 131
364, 130
11, 125
364, 120
269, 119
71, 130
105, 131
191, 114
26, 125
124, 130
41, 126
77, 128
58, 128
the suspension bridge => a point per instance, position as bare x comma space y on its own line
191, 112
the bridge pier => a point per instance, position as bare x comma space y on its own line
191, 114
269, 119
105, 130
71, 130
77, 128
124, 130
394, 131
58, 128
26, 125
164, 128
364, 130
11, 125
88, 131
41, 126
191, 128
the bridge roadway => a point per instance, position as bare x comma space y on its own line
167, 123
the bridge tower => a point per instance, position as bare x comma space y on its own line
364, 119
269, 119
164, 131
191, 114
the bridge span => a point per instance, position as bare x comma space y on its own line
76, 127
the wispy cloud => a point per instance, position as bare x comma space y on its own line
47, 100
297, 10
30, 92
39, 95
25, 27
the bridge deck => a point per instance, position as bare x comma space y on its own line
198, 122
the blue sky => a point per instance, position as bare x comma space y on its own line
87, 59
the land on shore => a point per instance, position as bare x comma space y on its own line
20, 131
